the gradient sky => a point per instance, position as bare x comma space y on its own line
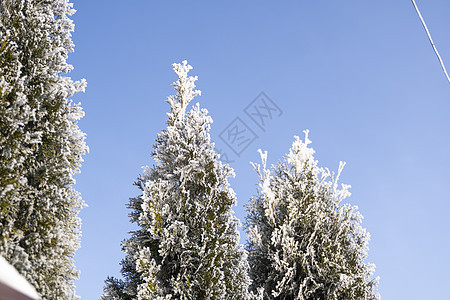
360, 75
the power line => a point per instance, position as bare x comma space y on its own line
431, 41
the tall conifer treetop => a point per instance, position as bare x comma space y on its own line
187, 245
303, 242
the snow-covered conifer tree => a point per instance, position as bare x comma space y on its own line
41, 146
303, 242
187, 245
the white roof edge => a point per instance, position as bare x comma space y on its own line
10, 278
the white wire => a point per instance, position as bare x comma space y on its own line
431, 41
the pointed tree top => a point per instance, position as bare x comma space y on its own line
185, 87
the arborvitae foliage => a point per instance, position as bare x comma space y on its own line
41, 146
303, 243
187, 245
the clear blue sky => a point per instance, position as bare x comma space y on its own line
361, 75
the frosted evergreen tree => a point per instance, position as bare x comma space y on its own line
41, 146
303, 242
187, 245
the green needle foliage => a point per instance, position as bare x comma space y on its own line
187, 245
41, 146
303, 243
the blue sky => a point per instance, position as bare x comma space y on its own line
360, 75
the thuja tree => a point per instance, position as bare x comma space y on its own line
187, 245
41, 146
303, 242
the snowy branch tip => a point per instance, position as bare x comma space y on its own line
185, 86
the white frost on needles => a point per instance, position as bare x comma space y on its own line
41, 145
187, 245
303, 243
